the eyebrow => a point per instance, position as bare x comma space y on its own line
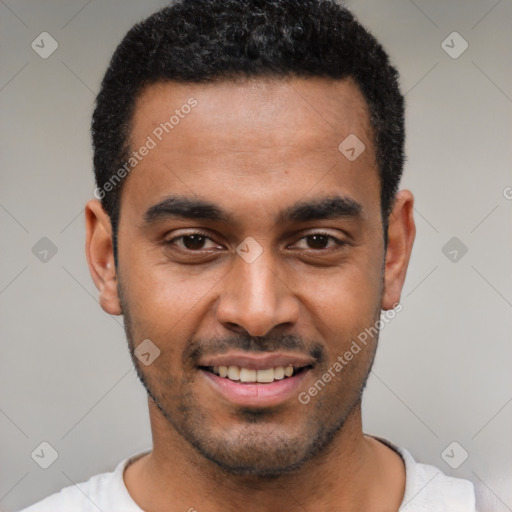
332, 207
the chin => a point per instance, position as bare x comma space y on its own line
267, 452
260, 464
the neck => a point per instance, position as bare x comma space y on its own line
352, 474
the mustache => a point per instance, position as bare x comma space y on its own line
255, 344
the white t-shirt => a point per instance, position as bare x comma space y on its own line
427, 489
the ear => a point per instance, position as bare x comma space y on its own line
100, 256
401, 234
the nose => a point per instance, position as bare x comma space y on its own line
255, 299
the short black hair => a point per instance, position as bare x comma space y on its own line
197, 41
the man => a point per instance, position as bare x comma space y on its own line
249, 227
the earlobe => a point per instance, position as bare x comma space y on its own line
100, 256
401, 234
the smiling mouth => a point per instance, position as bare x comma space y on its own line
262, 376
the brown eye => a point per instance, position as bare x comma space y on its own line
194, 242
320, 241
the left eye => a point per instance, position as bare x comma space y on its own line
319, 241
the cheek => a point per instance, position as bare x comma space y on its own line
346, 302
165, 300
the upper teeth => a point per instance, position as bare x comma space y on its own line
248, 375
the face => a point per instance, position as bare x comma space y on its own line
250, 245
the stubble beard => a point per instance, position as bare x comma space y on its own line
254, 449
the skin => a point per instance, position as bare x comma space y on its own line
254, 147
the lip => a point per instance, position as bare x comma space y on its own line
256, 394
258, 361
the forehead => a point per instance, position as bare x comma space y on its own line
249, 140
293, 109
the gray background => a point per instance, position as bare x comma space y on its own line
442, 372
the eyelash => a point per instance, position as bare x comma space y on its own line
337, 241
